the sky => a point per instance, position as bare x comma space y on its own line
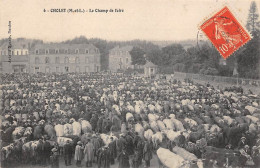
155, 20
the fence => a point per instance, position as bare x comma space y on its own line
230, 80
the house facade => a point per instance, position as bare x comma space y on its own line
120, 58
64, 58
14, 58
49, 58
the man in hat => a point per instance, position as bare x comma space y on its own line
256, 155
78, 153
96, 143
121, 142
147, 153
54, 158
46, 151
89, 153
103, 157
123, 159
113, 151
67, 153
242, 142
245, 153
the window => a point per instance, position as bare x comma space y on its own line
37, 51
66, 69
47, 60
37, 60
26, 52
66, 60
87, 51
37, 69
87, 69
77, 59
77, 69
17, 52
126, 60
47, 69
57, 60
66, 51
120, 59
56, 51
86, 61
22, 52
77, 51
12, 52
46, 51
95, 68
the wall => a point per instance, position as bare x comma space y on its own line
230, 80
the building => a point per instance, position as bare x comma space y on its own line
14, 60
120, 58
150, 69
64, 58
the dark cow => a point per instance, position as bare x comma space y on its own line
49, 130
38, 132
222, 156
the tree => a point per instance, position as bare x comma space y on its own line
172, 54
248, 59
252, 21
137, 56
155, 56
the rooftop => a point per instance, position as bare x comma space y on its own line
124, 48
15, 45
150, 64
63, 46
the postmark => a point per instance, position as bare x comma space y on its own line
225, 32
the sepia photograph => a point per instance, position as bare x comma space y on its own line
130, 83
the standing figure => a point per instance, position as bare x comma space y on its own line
67, 153
147, 153
113, 151
54, 158
123, 159
78, 153
103, 157
46, 152
89, 153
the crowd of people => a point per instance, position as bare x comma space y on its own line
129, 118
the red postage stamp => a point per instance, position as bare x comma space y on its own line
225, 32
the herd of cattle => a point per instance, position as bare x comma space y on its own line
160, 111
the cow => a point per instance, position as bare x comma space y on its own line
49, 130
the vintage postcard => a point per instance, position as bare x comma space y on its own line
130, 83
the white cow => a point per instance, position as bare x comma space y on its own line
169, 124
148, 134
68, 130
169, 159
178, 124
59, 130
76, 128
172, 135
85, 126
